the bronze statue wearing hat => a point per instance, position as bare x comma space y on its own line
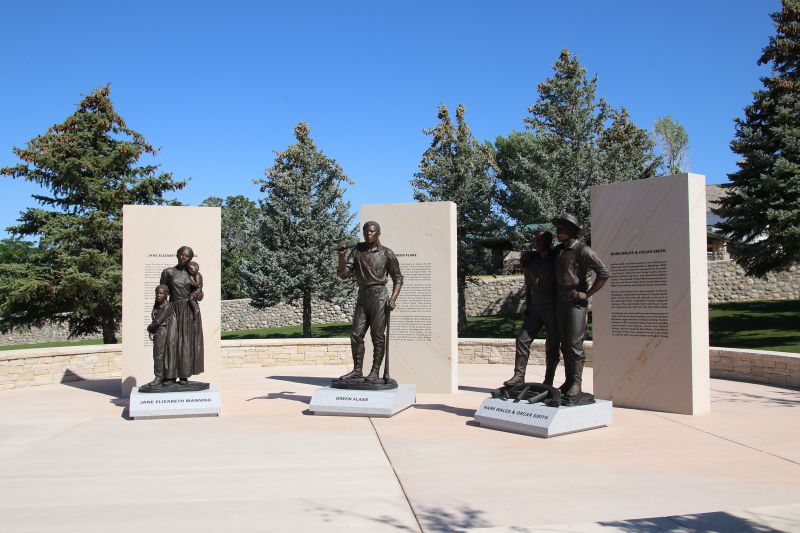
574, 262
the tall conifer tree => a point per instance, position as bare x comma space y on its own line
302, 216
574, 140
761, 212
457, 168
87, 168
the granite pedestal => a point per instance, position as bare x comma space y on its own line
349, 402
174, 404
539, 420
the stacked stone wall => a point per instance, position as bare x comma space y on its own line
44, 366
728, 283
485, 296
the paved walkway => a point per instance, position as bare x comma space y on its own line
71, 461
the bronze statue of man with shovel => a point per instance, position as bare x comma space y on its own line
370, 263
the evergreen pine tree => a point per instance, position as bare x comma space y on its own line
239, 215
761, 212
457, 168
574, 140
87, 166
301, 217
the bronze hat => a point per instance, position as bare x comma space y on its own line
567, 219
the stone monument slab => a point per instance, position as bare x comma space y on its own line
540, 420
151, 235
423, 337
174, 404
650, 325
349, 402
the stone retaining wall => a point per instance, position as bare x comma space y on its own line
486, 296
239, 314
727, 283
43, 366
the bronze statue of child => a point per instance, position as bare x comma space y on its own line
162, 329
193, 269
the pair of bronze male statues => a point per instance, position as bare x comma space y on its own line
556, 296
557, 293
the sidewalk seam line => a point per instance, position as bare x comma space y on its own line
727, 439
396, 476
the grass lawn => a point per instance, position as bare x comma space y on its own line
763, 325
57, 344
335, 329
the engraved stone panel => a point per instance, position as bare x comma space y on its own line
151, 235
650, 322
423, 336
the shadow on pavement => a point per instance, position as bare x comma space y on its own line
432, 519
306, 380
108, 386
484, 390
698, 523
460, 411
285, 395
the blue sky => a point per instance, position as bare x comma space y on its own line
219, 86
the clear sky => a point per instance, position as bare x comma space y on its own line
219, 86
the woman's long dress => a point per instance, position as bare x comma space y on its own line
187, 345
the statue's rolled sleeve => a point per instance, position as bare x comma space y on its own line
393, 268
595, 264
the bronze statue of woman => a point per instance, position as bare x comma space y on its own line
185, 290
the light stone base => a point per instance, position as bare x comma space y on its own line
174, 404
539, 420
348, 402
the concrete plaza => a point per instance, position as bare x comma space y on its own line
70, 460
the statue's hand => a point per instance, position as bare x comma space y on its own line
577, 296
151, 329
391, 304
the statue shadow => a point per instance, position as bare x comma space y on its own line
285, 395
305, 380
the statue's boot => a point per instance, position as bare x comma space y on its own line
577, 378
550, 372
375, 373
520, 365
356, 373
156, 381
569, 372
184, 381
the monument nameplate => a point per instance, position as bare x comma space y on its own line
174, 404
540, 420
151, 236
348, 402
423, 339
650, 326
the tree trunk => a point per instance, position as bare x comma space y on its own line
109, 332
306, 315
462, 304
